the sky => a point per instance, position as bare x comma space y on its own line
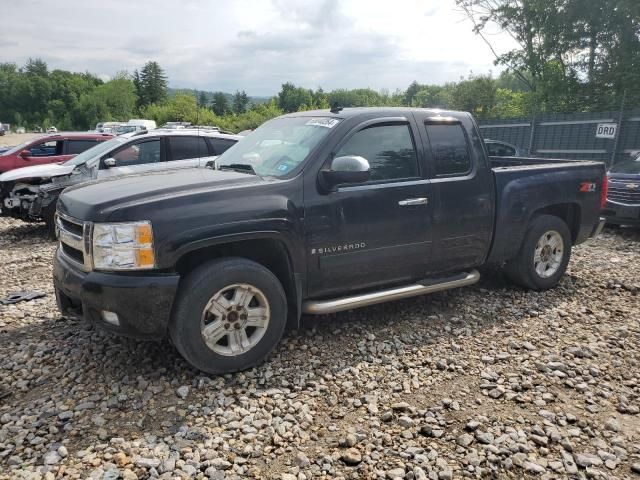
253, 45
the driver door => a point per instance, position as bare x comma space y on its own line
378, 232
42, 153
134, 157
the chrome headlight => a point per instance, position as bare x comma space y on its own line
123, 246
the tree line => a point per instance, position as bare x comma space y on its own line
571, 56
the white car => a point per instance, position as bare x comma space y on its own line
52, 129
31, 193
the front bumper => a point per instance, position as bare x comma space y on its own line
622, 214
142, 303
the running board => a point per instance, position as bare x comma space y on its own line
321, 307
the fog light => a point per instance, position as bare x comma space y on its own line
110, 317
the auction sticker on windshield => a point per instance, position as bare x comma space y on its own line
323, 122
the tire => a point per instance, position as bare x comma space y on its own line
214, 287
522, 270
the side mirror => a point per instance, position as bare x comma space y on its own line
110, 162
25, 153
347, 169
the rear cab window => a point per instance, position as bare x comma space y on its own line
449, 148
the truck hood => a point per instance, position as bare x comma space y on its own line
39, 171
96, 199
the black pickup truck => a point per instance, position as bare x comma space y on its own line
314, 212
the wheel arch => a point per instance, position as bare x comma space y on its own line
569, 213
269, 250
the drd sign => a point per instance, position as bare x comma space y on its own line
606, 130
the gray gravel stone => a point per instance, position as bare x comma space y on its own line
405, 389
351, 456
182, 391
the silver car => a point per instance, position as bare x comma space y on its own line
31, 193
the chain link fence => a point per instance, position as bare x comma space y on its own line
576, 135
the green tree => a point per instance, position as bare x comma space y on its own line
411, 92
240, 102
291, 98
150, 84
202, 100
220, 104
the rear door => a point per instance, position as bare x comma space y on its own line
134, 157
185, 151
378, 232
463, 189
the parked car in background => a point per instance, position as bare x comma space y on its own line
49, 149
52, 129
314, 212
108, 127
2, 132
31, 193
145, 124
623, 196
135, 125
497, 148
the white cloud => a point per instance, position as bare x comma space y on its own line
251, 44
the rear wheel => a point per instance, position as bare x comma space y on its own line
543, 256
229, 315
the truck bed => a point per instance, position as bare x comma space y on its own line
524, 186
507, 162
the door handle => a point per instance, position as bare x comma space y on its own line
413, 201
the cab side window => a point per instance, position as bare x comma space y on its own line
184, 148
46, 149
139, 153
389, 150
75, 147
221, 145
449, 149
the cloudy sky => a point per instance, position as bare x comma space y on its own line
255, 45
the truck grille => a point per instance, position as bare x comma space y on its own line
74, 236
624, 192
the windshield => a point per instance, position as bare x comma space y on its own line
96, 151
279, 146
629, 166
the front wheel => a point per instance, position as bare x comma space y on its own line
229, 315
543, 256
49, 217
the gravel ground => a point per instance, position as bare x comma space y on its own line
17, 138
487, 381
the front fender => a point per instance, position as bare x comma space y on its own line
171, 251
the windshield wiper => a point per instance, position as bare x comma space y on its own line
239, 167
